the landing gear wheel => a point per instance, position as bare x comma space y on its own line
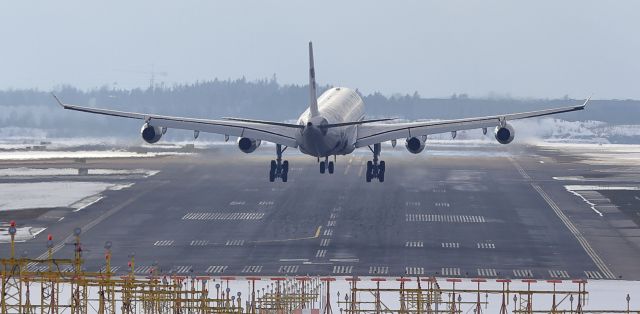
272, 171
322, 166
381, 169
279, 168
369, 170
285, 170
331, 167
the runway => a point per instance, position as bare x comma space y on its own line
457, 211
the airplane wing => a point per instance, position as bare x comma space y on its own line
275, 132
369, 134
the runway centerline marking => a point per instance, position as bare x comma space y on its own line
576, 233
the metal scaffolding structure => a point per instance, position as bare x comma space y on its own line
54, 285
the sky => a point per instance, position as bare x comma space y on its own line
520, 49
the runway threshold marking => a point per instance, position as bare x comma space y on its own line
315, 236
576, 233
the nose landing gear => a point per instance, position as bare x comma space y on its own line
279, 168
375, 169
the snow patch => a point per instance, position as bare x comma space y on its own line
36, 155
17, 196
38, 172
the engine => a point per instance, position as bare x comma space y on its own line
248, 145
505, 134
151, 134
414, 145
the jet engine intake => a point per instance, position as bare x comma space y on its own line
248, 145
504, 134
414, 145
151, 134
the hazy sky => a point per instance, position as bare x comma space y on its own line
517, 48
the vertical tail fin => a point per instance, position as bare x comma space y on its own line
313, 98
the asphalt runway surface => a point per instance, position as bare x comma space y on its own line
480, 211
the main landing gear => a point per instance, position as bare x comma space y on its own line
279, 168
375, 169
327, 165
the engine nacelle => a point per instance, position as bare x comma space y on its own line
414, 145
151, 134
505, 134
248, 145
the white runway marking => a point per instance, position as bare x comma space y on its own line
451, 245
181, 269
331, 223
321, 253
328, 232
443, 204
487, 272
234, 243
361, 170
163, 243
414, 244
333, 216
345, 260
378, 270
412, 204
520, 169
216, 269
294, 260
593, 275
199, 243
141, 270
236, 203
325, 242
223, 216
414, 270
450, 271
486, 245
265, 203
288, 269
444, 218
576, 233
103, 269
558, 274
342, 269
522, 273
252, 269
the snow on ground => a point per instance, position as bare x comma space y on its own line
602, 294
47, 172
16, 196
36, 155
599, 154
22, 233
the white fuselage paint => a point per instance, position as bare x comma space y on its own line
336, 105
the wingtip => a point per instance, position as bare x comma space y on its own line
586, 101
58, 100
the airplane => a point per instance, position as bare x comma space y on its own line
333, 124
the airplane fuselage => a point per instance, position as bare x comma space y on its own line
336, 105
